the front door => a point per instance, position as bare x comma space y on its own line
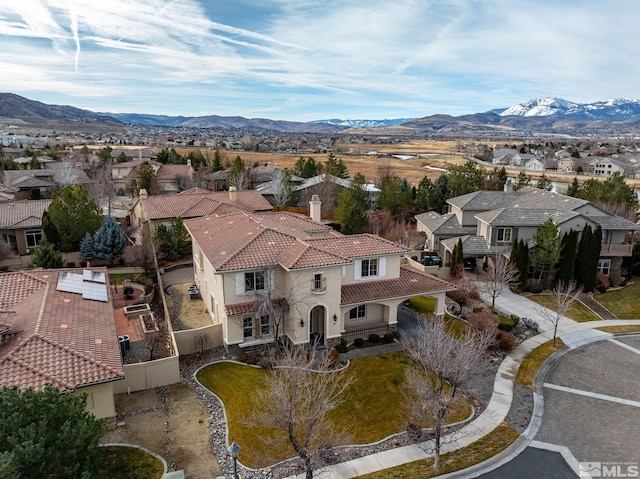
317, 325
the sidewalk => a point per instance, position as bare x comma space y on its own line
496, 411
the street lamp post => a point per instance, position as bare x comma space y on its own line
234, 449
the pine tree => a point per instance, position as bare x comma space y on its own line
523, 264
456, 261
583, 276
217, 162
109, 241
87, 250
574, 188
46, 256
49, 230
568, 251
546, 253
353, 204
147, 179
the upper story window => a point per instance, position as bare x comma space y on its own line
504, 235
369, 267
254, 281
33, 238
318, 283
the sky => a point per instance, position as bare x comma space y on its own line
303, 60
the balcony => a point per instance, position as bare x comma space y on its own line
616, 250
318, 285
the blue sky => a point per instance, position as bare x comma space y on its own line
315, 59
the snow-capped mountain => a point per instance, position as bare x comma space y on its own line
364, 123
613, 109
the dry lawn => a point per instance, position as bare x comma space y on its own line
193, 312
178, 430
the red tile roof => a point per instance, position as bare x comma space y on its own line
158, 207
58, 337
358, 246
279, 304
410, 283
22, 214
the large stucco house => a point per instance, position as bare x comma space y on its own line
488, 222
323, 286
58, 327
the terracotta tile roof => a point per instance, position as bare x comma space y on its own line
358, 246
157, 207
59, 338
20, 214
169, 172
410, 283
292, 220
279, 304
195, 191
300, 255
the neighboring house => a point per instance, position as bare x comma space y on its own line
31, 184
566, 164
327, 287
194, 203
499, 218
21, 224
439, 227
608, 166
53, 332
132, 154
172, 179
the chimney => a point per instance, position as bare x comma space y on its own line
315, 207
143, 194
189, 163
508, 185
233, 194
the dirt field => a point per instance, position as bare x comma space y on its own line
192, 312
171, 422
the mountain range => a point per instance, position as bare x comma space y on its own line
551, 115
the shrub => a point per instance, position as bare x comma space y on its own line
602, 281
484, 320
374, 338
248, 358
333, 357
266, 363
341, 348
505, 341
478, 309
506, 323
515, 318
358, 342
387, 338
414, 432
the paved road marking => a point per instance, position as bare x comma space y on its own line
625, 346
603, 397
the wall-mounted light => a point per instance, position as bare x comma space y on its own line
302, 323
335, 318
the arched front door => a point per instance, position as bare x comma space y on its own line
318, 314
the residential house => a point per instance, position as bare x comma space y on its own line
21, 224
58, 327
439, 227
172, 179
322, 286
502, 217
194, 203
31, 184
607, 166
327, 187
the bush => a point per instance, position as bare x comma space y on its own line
374, 338
266, 363
333, 357
387, 338
248, 358
358, 342
602, 281
505, 341
341, 348
478, 309
506, 323
484, 320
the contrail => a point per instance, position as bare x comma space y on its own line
74, 30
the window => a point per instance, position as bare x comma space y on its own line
358, 312
265, 325
254, 281
318, 282
504, 235
604, 266
213, 303
247, 327
33, 238
369, 267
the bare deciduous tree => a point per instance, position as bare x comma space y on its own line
6, 250
144, 249
562, 296
503, 274
284, 189
441, 371
299, 395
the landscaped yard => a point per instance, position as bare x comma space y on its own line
425, 306
624, 302
120, 462
373, 407
577, 310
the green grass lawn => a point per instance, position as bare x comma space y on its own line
374, 406
120, 462
528, 369
624, 303
577, 310
425, 306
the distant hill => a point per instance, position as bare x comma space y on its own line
15, 108
364, 123
616, 109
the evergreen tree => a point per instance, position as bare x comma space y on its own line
163, 156
174, 239
73, 212
424, 194
183, 238
105, 154
544, 183
47, 434
521, 181
121, 158
147, 179
50, 231
465, 178
574, 188
87, 250
440, 193
353, 204
546, 253
391, 195
109, 241
568, 251
520, 258
217, 162
456, 263
585, 272
496, 179
46, 256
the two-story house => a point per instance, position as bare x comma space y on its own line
499, 218
262, 272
